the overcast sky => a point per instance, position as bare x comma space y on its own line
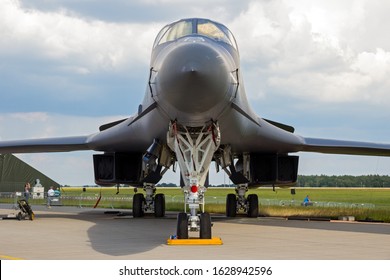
68, 66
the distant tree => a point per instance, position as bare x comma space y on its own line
368, 181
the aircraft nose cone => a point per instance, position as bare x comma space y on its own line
193, 77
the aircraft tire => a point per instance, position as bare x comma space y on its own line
182, 226
253, 209
231, 205
205, 226
138, 200
159, 205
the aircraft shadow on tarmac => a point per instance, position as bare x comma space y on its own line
129, 235
120, 235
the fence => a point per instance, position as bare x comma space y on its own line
275, 202
125, 201
88, 200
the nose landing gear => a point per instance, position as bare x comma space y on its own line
194, 148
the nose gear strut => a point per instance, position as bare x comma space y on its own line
194, 148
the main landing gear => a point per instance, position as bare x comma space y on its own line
238, 201
149, 202
194, 148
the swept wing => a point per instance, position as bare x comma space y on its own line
59, 144
331, 146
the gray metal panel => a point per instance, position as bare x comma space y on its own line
330, 146
60, 144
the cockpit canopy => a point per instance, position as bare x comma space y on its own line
204, 27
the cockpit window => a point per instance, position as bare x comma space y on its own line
160, 34
178, 30
202, 27
210, 29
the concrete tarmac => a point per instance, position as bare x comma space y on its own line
86, 234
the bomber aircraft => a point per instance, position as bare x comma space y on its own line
195, 111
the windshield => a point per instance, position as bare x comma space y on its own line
177, 30
202, 27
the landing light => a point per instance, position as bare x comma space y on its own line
194, 189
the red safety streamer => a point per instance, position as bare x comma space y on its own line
100, 197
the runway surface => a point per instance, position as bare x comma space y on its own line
79, 234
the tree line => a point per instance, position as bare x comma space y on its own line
344, 181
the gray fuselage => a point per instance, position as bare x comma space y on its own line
194, 79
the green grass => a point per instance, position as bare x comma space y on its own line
355, 200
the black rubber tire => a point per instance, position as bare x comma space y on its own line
253, 209
159, 205
205, 226
138, 210
19, 216
231, 205
182, 226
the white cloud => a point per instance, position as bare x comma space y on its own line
74, 169
42, 125
376, 65
81, 44
308, 50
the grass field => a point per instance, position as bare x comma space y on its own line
377, 196
363, 203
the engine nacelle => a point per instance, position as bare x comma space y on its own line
123, 168
118, 168
265, 169
273, 169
